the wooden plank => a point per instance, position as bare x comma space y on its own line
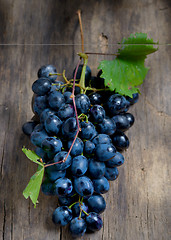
138, 203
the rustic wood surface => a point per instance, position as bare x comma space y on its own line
139, 202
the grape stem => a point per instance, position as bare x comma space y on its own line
81, 30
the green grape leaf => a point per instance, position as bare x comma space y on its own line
33, 188
32, 156
127, 71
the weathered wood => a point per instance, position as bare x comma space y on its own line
138, 203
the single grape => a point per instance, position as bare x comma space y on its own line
94, 221
76, 209
102, 138
62, 162
121, 121
116, 104
69, 128
97, 113
52, 145
83, 186
117, 161
120, 140
111, 173
108, 126
42, 154
28, 127
62, 216
53, 124
79, 165
89, 147
41, 86
95, 99
77, 148
77, 227
105, 152
66, 111
45, 71
56, 100
96, 169
40, 103
82, 103
62, 187
47, 187
88, 130
101, 185
37, 137
96, 203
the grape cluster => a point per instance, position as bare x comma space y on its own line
78, 179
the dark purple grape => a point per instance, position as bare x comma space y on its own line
62, 216
94, 222
62, 187
96, 203
83, 186
45, 71
108, 126
69, 128
56, 100
121, 121
88, 130
101, 185
37, 137
105, 152
97, 113
52, 145
82, 103
40, 103
120, 140
77, 148
111, 173
79, 165
28, 127
77, 227
42, 154
117, 161
95, 99
66, 111
53, 124
41, 86
116, 104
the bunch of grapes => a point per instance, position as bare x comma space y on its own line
78, 169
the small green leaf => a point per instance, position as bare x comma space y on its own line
137, 46
127, 71
32, 156
33, 188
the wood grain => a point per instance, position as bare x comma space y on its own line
138, 203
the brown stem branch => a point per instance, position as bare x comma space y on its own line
81, 30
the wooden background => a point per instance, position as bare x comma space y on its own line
139, 202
